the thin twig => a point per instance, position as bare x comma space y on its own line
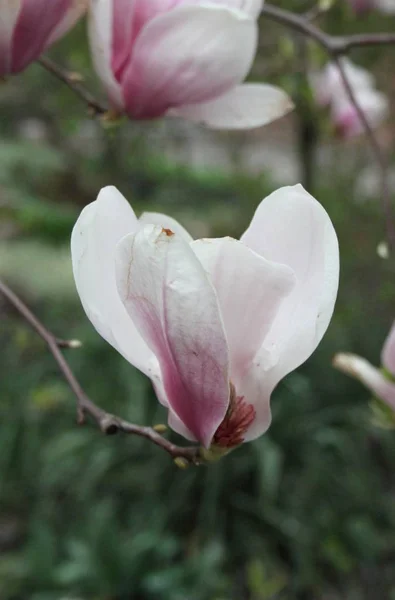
108, 423
378, 153
335, 45
74, 84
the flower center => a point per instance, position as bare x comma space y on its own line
237, 420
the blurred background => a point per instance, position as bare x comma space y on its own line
307, 511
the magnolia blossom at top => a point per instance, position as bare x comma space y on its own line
361, 6
215, 323
184, 58
374, 379
28, 27
330, 91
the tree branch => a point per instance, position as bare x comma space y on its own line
337, 46
74, 83
108, 423
334, 45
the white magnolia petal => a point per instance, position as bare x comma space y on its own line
168, 295
245, 106
250, 291
250, 7
292, 228
388, 351
372, 378
187, 55
100, 31
166, 222
96, 233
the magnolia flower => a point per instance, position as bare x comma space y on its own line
374, 379
28, 27
329, 90
361, 6
184, 58
214, 323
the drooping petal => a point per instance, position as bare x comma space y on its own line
9, 11
95, 235
36, 22
371, 377
245, 106
100, 31
292, 228
75, 12
188, 55
388, 351
166, 222
169, 297
250, 291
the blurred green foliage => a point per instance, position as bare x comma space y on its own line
305, 512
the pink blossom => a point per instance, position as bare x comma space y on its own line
329, 90
183, 58
214, 323
374, 379
29, 27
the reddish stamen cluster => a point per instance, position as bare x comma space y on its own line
237, 420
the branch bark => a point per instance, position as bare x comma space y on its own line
108, 423
75, 85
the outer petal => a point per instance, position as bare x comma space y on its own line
100, 31
166, 222
168, 295
99, 228
245, 106
388, 351
368, 375
9, 11
190, 54
250, 7
292, 228
75, 12
250, 291
123, 32
36, 22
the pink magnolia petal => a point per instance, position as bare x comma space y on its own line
9, 11
166, 222
75, 12
123, 33
100, 31
250, 291
169, 297
173, 420
388, 351
372, 378
95, 235
190, 54
245, 106
36, 21
292, 228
